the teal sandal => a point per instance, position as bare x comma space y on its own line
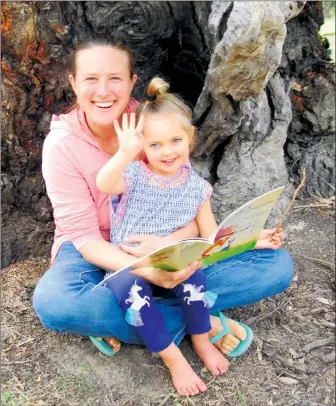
243, 346
102, 346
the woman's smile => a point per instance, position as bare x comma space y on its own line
104, 105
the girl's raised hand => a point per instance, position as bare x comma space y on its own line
130, 136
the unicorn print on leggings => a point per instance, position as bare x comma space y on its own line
208, 298
133, 316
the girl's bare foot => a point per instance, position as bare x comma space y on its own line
212, 358
113, 342
230, 341
185, 380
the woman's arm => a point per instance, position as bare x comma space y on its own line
149, 243
106, 255
75, 212
206, 220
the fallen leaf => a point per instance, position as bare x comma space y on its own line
329, 201
293, 353
324, 300
296, 86
329, 317
258, 341
288, 381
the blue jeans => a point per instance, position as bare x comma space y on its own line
64, 301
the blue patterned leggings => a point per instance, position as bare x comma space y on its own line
136, 297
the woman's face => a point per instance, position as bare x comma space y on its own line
102, 84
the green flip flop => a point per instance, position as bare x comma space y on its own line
243, 346
102, 346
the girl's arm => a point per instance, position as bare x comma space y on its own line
189, 231
109, 179
206, 220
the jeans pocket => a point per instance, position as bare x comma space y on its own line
92, 276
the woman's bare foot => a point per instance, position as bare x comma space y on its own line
212, 358
185, 380
230, 341
113, 342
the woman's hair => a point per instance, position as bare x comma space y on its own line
160, 101
112, 41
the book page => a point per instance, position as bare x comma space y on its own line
239, 232
177, 256
173, 257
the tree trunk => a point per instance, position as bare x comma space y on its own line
225, 58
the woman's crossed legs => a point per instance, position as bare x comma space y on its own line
65, 302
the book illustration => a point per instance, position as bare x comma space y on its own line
238, 233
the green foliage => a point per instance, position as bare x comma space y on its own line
329, 9
69, 381
240, 397
8, 399
328, 29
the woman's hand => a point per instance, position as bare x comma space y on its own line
165, 279
270, 239
147, 244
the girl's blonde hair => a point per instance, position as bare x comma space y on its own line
160, 101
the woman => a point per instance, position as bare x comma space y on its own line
78, 145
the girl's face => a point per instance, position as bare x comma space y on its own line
166, 143
102, 84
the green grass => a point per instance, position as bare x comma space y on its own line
9, 399
241, 399
69, 382
327, 30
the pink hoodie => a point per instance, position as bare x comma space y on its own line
71, 159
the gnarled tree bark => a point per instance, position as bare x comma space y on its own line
257, 73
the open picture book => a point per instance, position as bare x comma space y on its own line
236, 234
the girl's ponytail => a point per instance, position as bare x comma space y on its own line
157, 87
160, 101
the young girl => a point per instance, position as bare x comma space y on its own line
161, 194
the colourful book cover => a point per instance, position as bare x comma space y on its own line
236, 234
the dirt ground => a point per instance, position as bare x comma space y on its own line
291, 362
